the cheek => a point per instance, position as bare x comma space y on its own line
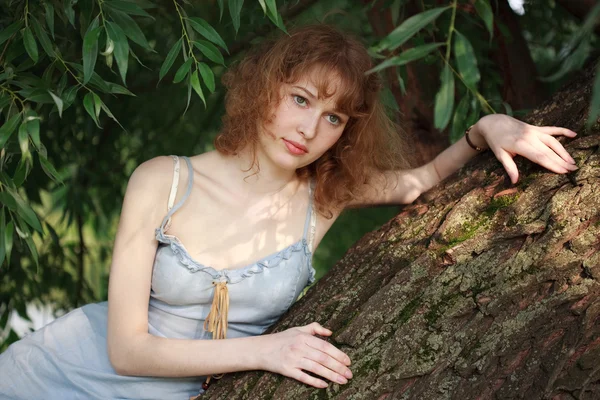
265, 130
335, 137
329, 141
279, 119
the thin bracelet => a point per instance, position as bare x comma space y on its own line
469, 140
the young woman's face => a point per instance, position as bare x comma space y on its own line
302, 126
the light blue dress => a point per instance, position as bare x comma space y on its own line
67, 359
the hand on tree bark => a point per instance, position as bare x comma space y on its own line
296, 349
508, 137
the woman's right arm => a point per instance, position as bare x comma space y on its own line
133, 351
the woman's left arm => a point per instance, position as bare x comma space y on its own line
504, 135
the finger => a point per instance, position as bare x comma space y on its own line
309, 380
554, 162
509, 165
328, 348
546, 158
557, 148
556, 130
315, 367
316, 329
333, 365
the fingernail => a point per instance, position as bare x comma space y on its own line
348, 374
342, 380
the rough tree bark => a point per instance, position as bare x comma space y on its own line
484, 291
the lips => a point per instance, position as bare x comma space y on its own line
297, 145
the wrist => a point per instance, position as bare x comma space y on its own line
256, 357
475, 135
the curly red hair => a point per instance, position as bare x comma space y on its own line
370, 141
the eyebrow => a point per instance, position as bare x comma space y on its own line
306, 91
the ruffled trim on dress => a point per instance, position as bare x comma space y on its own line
237, 274
180, 251
311, 269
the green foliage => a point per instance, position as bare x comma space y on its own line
484, 10
407, 56
408, 29
466, 61
444, 99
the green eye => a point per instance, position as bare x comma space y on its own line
334, 119
301, 101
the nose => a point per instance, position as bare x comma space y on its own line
307, 126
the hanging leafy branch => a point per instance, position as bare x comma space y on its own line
465, 65
107, 30
466, 62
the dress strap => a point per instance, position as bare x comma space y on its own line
310, 224
175, 184
170, 208
174, 187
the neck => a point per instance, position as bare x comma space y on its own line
269, 179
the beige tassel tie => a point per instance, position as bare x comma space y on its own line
217, 317
217, 322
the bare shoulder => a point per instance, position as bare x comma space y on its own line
152, 174
148, 189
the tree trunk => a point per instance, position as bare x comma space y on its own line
485, 291
521, 88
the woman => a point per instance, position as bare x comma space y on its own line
304, 137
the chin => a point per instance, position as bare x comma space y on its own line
287, 161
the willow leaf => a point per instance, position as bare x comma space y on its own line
10, 30
466, 60
195, 82
235, 9
206, 30
90, 53
444, 99
43, 38
407, 56
30, 44
183, 70
409, 28
130, 27
49, 14
210, 51
121, 52
207, 76
8, 128
170, 59
484, 10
